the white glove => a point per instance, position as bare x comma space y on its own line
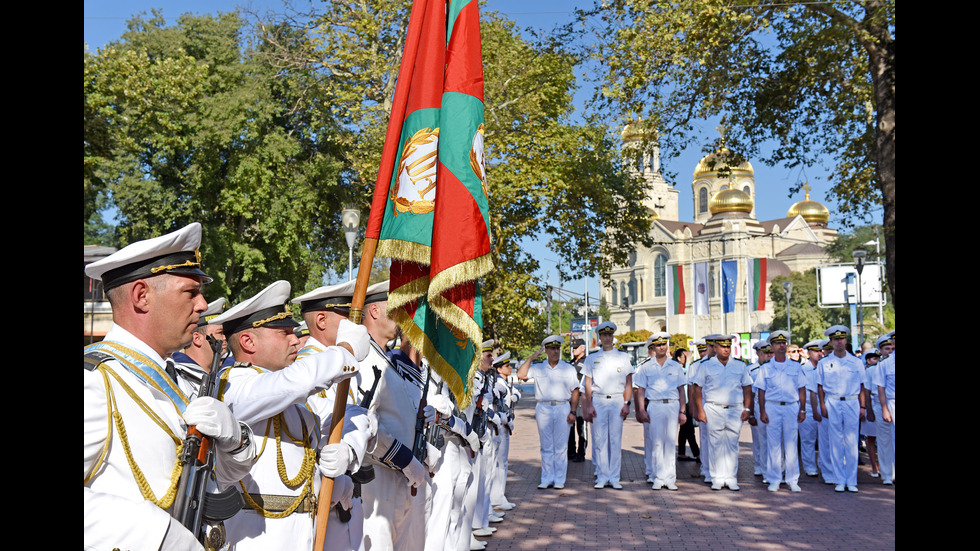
213, 418
432, 456
500, 388
487, 401
442, 404
343, 492
415, 473
517, 395
510, 425
511, 400
474, 441
178, 537
356, 336
335, 460
429, 412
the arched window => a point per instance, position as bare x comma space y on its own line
703, 200
711, 281
615, 295
623, 293
660, 276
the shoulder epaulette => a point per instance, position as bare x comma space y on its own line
93, 358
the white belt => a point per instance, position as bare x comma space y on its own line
726, 406
770, 402
843, 398
609, 396
662, 400
553, 402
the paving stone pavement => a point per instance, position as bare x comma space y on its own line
693, 517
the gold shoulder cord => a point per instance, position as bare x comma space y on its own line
305, 474
167, 500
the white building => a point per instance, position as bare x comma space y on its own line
725, 229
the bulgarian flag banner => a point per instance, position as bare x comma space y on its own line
675, 289
756, 276
430, 212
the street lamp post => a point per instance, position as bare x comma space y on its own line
788, 289
349, 218
859, 256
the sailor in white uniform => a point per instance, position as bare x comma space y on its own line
724, 397
270, 388
781, 387
661, 406
883, 385
607, 377
556, 392
840, 384
760, 451
135, 414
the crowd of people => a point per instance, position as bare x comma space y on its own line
810, 411
411, 470
408, 468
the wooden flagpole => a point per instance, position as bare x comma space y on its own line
340, 401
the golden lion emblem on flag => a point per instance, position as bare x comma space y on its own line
415, 184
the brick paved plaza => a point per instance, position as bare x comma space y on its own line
693, 517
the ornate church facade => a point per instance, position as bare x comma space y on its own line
705, 276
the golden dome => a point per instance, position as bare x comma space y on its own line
730, 200
811, 211
720, 157
637, 131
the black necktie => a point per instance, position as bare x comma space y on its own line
171, 371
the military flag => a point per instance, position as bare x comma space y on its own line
430, 212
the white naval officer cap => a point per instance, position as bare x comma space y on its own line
778, 336
214, 310
554, 340
377, 292
660, 337
814, 345
301, 330
763, 345
836, 331
488, 345
268, 308
172, 253
825, 344
606, 327
328, 297
501, 359
883, 340
723, 340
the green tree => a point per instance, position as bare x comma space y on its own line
817, 78
190, 123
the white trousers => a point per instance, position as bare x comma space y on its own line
499, 486
886, 441
662, 430
825, 453
705, 451
394, 519
439, 505
552, 424
482, 503
607, 437
724, 425
842, 431
464, 500
781, 433
760, 450
808, 442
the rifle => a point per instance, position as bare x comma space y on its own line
418, 447
366, 473
193, 504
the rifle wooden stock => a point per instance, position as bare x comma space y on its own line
340, 401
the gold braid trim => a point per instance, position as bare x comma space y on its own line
404, 250
168, 498
172, 266
306, 470
279, 316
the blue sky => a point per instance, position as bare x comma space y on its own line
105, 21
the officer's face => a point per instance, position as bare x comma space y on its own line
275, 347
553, 352
839, 344
176, 305
723, 352
887, 349
606, 339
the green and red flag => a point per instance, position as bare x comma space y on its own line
430, 212
756, 274
675, 290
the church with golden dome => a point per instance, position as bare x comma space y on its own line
677, 285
